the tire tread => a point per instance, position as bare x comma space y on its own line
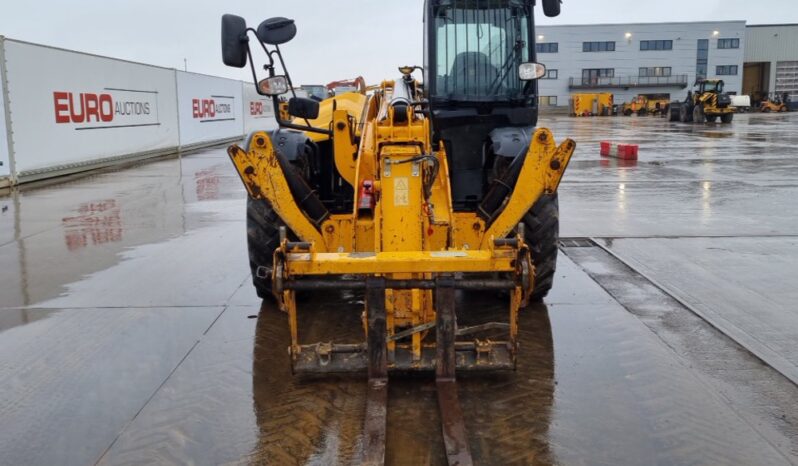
542, 234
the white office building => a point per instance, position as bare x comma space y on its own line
659, 60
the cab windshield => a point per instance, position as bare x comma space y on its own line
712, 86
319, 92
479, 45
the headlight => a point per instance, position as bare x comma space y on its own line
530, 71
275, 85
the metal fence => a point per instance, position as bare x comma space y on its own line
592, 82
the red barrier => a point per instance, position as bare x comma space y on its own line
620, 151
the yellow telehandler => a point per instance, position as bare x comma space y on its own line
408, 193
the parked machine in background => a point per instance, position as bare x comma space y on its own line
774, 104
707, 102
316, 91
638, 106
643, 105
600, 104
659, 107
347, 85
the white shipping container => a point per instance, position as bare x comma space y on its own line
258, 110
5, 162
741, 101
210, 108
71, 110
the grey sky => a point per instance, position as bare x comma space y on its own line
337, 39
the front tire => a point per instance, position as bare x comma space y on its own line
698, 114
685, 114
542, 235
263, 238
727, 117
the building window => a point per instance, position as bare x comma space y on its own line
598, 46
728, 43
597, 76
655, 71
656, 45
551, 74
702, 58
547, 47
548, 101
726, 70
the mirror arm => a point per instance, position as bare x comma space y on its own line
254, 73
269, 67
287, 75
275, 99
263, 46
289, 125
288, 78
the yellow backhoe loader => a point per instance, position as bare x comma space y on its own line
408, 193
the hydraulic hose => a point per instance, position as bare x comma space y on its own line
302, 193
491, 205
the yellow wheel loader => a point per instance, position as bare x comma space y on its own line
409, 193
706, 103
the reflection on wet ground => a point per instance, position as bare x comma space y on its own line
126, 337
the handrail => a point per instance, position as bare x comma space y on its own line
628, 81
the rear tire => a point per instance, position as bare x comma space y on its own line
727, 117
712, 118
542, 235
263, 237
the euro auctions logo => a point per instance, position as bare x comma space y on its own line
109, 108
261, 108
212, 109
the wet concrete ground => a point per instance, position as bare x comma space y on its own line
127, 329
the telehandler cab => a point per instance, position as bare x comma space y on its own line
408, 193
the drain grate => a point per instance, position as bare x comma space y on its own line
576, 243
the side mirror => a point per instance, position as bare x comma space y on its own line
551, 8
531, 71
234, 41
276, 31
303, 108
275, 85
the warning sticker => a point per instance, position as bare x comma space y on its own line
401, 191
